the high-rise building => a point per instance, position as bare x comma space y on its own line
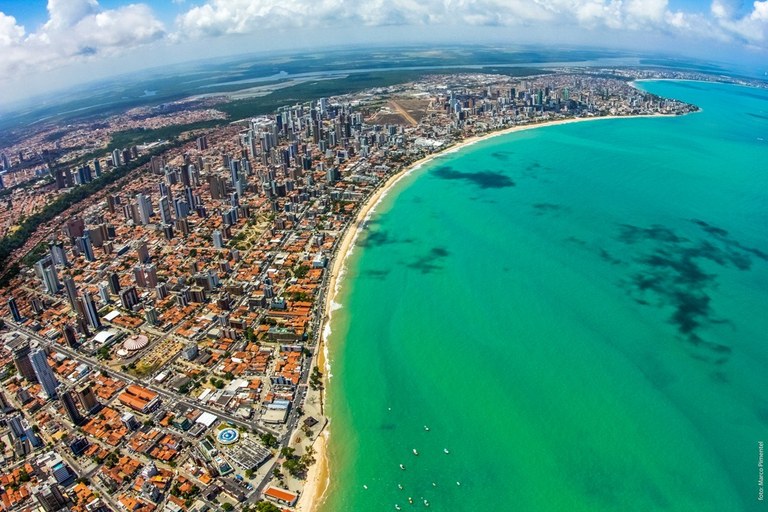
181, 207
129, 297
104, 292
74, 228
130, 421
114, 283
91, 312
58, 254
88, 398
139, 276
218, 240
156, 164
142, 251
70, 336
71, 289
14, 308
62, 177
86, 246
218, 187
168, 231
165, 210
68, 401
145, 208
116, 160
150, 274
46, 271
50, 498
20, 349
45, 376
161, 290
151, 315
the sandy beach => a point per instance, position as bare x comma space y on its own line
318, 478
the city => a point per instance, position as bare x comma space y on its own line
162, 346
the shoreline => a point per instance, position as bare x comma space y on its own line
318, 477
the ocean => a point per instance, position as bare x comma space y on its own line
577, 314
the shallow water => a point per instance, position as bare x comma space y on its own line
577, 312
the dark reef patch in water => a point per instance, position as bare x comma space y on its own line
483, 179
428, 263
502, 155
376, 274
606, 256
542, 208
633, 234
672, 275
382, 237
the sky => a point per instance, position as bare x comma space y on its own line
48, 46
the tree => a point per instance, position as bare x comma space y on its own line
265, 506
269, 440
228, 506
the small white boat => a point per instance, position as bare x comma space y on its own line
415, 452
434, 484
397, 507
402, 467
410, 500
445, 451
365, 487
400, 486
426, 503
458, 483
426, 428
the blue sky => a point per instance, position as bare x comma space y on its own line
48, 45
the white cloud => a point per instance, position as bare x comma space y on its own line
10, 32
66, 13
82, 30
752, 28
760, 12
223, 17
75, 30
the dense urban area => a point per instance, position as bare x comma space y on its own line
163, 302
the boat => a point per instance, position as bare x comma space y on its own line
445, 451
426, 428
410, 500
402, 467
426, 503
434, 484
365, 487
415, 452
458, 483
400, 486
397, 507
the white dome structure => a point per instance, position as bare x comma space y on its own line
135, 342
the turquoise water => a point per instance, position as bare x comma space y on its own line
578, 313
